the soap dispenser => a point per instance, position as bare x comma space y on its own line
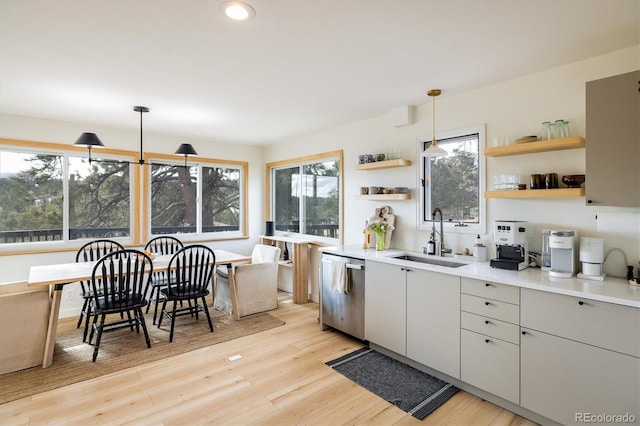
431, 246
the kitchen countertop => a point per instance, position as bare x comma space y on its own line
612, 290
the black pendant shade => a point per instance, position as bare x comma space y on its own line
91, 139
186, 149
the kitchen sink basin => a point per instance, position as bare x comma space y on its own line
430, 261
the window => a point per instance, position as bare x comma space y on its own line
99, 199
59, 197
305, 195
196, 199
31, 188
51, 195
455, 182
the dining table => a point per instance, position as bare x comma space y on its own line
56, 276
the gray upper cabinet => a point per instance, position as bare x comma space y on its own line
613, 141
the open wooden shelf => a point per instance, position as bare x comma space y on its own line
383, 164
534, 147
385, 197
536, 193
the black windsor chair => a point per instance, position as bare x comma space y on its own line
193, 268
161, 245
118, 282
91, 252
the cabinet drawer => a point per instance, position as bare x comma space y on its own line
490, 308
491, 364
491, 327
501, 292
602, 324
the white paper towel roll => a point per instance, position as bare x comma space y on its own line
618, 222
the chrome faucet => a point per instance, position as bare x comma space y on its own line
443, 250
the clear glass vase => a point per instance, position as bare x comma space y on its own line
380, 241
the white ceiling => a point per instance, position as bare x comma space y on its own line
299, 66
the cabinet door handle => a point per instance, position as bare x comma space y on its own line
487, 303
487, 285
487, 322
581, 303
524, 333
487, 341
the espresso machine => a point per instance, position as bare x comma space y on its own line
512, 250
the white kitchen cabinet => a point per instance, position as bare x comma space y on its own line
385, 307
561, 378
613, 141
433, 320
578, 356
489, 349
491, 364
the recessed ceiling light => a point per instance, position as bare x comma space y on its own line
238, 11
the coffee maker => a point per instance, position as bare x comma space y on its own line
510, 238
563, 253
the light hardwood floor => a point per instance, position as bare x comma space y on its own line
281, 379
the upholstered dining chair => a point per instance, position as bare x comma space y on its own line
91, 252
256, 283
193, 267
118, 282
161, 245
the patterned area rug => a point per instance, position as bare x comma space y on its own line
123, 349
411, 390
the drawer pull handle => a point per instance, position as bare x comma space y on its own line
524, 333
487, 322
487, 303
487, 285
487, 341
581, 303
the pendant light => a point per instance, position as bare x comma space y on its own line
434, 150
186, 149
91, 140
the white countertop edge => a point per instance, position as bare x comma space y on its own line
611, 290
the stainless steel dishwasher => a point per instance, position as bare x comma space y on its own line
343, 311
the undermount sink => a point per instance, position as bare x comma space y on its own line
430, 261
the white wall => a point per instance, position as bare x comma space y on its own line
16, 267
513, 108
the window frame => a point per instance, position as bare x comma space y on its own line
200, 162
269, 211
426, 224
140, 190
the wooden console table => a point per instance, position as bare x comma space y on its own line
300, 264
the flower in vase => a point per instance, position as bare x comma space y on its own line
380, 226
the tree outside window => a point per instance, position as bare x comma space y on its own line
305, 198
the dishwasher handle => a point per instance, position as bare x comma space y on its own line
357, 266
